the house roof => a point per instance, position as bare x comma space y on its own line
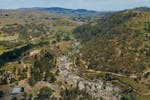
16, 91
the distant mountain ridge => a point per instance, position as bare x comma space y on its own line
145, 9
62, 10
75, 14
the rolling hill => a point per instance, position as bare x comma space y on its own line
119, 43
58, 53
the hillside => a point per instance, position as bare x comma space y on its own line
117, 44
117, 49
145, 9
33, 55
58, 53
18, 28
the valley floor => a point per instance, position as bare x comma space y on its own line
96, 88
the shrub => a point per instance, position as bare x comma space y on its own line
1, 94
44, 93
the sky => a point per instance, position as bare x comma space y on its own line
98, 5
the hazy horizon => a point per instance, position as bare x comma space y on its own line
71, 8
97, 5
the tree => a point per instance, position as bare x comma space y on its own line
127, 97
58, 37
50, 77
44, 93
22, 89
1, 94
14, 98
66, 37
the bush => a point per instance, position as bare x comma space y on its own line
44, 93
49, 77
14, 98
1, 94
126, 97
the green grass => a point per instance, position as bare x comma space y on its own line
138, 86
143, 97
63, 28
94, 76
2, 49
